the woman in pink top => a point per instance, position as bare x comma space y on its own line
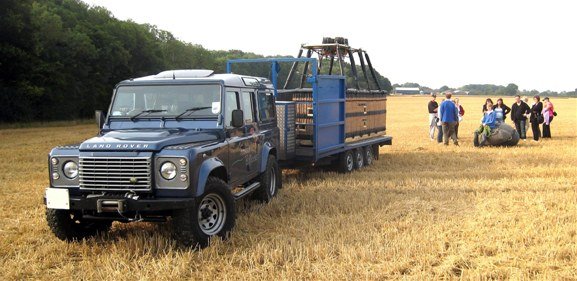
548, 113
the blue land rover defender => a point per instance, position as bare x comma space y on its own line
186, 144
183, 144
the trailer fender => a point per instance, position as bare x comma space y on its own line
206, 169
267, 149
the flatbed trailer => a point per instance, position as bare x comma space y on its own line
328, 109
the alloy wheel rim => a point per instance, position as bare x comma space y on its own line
350, 162
360, 160
369, 156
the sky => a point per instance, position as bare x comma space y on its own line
434, 43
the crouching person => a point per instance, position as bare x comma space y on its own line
488, 124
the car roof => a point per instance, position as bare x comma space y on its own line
200, 76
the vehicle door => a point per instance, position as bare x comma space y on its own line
239, 140
267, 123
251, 130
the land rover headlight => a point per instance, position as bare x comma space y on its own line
168, 170
70, 169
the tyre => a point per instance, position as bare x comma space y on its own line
375, 151
212, 215
69, 226
346, 162
270, 181
369, 155
359, 158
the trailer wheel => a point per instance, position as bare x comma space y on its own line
212, 215
70, 226
375, 148
346, 162
369, 155
359, 158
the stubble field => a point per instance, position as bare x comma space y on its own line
423, 211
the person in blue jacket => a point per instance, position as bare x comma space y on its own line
449, 115
488, 124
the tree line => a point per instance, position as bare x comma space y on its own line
491, 90
60, 59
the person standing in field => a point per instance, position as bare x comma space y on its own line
501, 110
526, 100
519, 111
536, 117
433, 115
548, 113
449, 116
461, 113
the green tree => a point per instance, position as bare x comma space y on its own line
511, 89
411, 85
59, 59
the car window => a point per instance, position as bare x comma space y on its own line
247, 107
231, 103
266, 106
167, 100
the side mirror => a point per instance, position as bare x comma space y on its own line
237, 118
100, 118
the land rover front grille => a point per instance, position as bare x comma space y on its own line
115, 173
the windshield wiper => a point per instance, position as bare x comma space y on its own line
146, 111
192, 109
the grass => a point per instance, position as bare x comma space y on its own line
423, 211
37, 124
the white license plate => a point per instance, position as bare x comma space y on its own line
57, 198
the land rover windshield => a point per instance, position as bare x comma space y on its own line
169, 101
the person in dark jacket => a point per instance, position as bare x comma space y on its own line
485, 105
501, 110
433, 107
535, 117
519, 111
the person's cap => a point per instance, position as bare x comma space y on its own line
433, 95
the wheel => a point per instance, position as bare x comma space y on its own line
346, 162
359, 158
375, 151
270, 181
369, 155
212, 215
70, 226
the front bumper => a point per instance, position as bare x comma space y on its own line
103, 203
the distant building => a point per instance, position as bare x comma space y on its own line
407, 91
